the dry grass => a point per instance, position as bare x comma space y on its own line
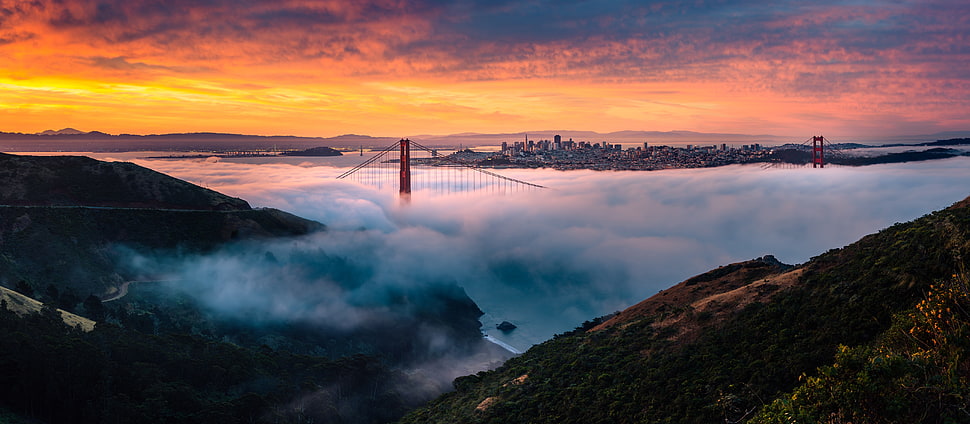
740, 297
718, 307
487, 403
23, 305
695, 304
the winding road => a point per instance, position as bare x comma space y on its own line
123, 290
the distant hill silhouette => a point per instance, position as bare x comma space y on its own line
62, 216
64, 131
82, 181
314, 151
69, 139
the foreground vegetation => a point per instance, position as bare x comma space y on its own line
918, 372
54, 373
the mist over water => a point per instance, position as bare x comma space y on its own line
595, 242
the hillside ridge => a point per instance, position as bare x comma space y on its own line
723, 345
65, 220
725, 288
83, 181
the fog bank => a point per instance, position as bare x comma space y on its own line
593, 243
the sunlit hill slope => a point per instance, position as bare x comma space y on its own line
876, 331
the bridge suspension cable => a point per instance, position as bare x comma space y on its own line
821, 145
367, 162
455, 162
442, 174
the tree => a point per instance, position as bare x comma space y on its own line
68, 300
93, 308
24, 288
53, 294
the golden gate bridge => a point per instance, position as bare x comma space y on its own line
396, 166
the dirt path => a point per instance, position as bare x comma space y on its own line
122, 291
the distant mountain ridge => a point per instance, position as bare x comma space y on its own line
70, 139
64, 131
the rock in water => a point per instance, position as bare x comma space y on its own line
506, 326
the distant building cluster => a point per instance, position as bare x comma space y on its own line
556, 144
569, 154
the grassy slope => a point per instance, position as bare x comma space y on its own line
23, 305
641, 370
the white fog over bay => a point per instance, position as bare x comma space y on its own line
594, 242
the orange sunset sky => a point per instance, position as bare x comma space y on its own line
394, 68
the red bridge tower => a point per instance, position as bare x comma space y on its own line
405, 168
818, 151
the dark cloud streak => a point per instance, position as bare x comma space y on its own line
618, 39
123, 64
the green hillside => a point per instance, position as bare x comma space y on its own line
55, 374
722, 346
63, 220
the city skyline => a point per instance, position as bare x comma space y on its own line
870, 68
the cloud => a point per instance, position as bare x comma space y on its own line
596, 241
482, 40
318, 68
123, 64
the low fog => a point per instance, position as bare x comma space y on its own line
591, 244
